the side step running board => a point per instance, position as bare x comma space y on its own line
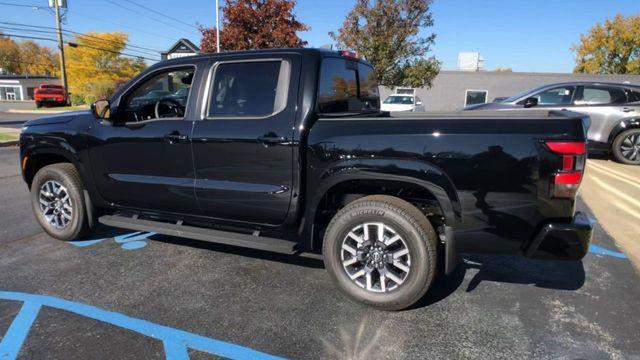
191, 232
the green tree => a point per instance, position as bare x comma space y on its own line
388, 34
610, 48
255, 24
95, 65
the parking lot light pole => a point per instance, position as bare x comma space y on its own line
217, 26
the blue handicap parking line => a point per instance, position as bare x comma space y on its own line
130, 241
595, 249
176, 342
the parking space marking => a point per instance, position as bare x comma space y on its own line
614, 174
17, 333
595, 249
176, 342
130, 241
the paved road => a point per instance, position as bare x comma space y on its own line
491, 307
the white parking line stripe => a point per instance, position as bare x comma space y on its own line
608, 172
624, 196
613, 173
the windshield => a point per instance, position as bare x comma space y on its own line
405, 100
518, 96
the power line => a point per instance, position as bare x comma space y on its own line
161, 14
86, 37
67, 40
21, 5
73, 44
120, 24
145, 15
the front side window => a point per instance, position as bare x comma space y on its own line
601, 96
347, 87
249, 89
163, 95
557, 96
473, 97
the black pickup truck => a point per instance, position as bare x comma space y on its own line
286, 150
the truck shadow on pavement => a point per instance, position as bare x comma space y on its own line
560, 275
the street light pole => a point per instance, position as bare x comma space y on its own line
63, 71
217, 26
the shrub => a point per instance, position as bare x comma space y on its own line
77, 99
89, 99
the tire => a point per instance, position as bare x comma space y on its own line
399, 218
630, 140
66, 176
38, 104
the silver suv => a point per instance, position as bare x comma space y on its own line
614, 110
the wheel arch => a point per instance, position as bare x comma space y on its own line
36, 159
623, 125
423, 184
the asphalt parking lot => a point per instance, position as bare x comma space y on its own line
152, 296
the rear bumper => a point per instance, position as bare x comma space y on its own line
562, 241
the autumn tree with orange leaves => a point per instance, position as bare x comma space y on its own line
255, 24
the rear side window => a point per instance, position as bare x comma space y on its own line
602, 95
633, 95
346, 87
249, 89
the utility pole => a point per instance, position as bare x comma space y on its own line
63, 71
217, 27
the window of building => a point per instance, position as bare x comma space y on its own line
10, 93
249, 89
472, 97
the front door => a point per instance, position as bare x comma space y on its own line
243, 146
141, 157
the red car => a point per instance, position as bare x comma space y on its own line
49, 94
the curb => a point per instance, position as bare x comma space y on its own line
19, 111
9, 143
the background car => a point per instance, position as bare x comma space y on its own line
614, 110
402, 102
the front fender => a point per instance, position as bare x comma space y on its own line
416, 172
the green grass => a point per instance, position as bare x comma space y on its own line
8, 137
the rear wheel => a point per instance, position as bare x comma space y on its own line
381, 251
38, 104
58, 201
626, 147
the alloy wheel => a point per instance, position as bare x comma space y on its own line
630, 147
375, 257
55, 204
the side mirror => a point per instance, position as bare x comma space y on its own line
101, 109
531, 102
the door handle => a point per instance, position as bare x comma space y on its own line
175, 137
272, 140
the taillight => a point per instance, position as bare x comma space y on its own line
349, 53
566, 181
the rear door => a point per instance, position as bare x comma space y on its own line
606, 105
243, 142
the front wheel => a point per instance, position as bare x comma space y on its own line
381, 250
626, 147
58, 201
